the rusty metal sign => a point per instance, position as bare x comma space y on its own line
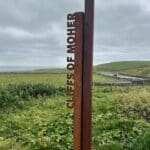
87, 75
79, 78
75, 67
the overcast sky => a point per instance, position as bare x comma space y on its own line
33, 32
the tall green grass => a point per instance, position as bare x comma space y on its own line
12, 94
33, 115
121, 117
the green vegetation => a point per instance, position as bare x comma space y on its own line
121, 118
12, 94
33, 114
32, 78
136, 68
37, 124
43, 78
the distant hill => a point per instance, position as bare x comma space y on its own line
39, 71
53, 70
137, 68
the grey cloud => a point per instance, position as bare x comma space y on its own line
33, 33
122, 30
28, 25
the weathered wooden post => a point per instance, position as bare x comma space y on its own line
79, 79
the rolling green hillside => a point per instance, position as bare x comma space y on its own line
137, 68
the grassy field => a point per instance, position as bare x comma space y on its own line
56, 79
136, 68
33, 78
33, 114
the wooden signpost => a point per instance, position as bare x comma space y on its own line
79, 79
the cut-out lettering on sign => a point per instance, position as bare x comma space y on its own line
71, 18
74, 58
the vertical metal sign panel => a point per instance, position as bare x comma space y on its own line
78, 80
87, 75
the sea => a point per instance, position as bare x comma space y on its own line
18, 68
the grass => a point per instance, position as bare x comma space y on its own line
121, 116
138, 68
55, 79
25, 127
33, 78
